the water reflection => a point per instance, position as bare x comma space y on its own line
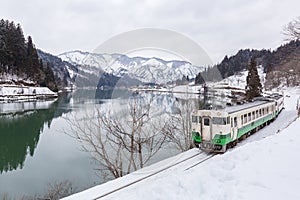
49, 154
20, 127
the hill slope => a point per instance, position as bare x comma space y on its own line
281, 65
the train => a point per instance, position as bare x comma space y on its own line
218, 130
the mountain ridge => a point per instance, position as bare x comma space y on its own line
146, 70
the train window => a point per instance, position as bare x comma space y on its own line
245, 118
235, 122
253, 115
249, 117
195, 119
219, 120
206, 121
257, 114
263, 111
267, 109
260, 112
242, 119
228, 120
231, 122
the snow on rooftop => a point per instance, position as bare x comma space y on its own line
247, 105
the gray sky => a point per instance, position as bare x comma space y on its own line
219, 27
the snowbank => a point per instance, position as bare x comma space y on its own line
265, 169
23, 93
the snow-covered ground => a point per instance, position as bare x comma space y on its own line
23, 93
239, 79
264, 166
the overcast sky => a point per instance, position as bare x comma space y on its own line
219, 27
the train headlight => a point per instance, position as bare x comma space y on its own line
218, 141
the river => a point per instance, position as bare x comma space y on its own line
35, 150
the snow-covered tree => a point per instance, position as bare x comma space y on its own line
292, 30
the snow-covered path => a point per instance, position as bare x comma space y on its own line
264, 166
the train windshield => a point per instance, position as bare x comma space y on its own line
219, 120
196, 119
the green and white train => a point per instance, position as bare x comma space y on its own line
217, 130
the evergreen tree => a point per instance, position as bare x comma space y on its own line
33, 63
49, 78
19, 57
253, 87
199, 79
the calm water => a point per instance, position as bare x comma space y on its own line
35, 151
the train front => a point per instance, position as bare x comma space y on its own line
211, 130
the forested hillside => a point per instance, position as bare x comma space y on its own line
19, 61
281, 65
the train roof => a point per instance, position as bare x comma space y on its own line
276, 96
237, 108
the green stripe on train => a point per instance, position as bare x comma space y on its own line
253, 125
221, 139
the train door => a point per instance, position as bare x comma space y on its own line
206, 129
234, 128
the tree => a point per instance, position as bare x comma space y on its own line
199, 79
19, 50
179, 127
33, 64
292, 29
121, 142
253, 87
269, 74
49, 79
58, 190
19, 57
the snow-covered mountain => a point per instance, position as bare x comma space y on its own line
146, 70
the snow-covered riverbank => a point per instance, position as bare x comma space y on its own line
9, 93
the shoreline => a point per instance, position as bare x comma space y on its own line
15, 93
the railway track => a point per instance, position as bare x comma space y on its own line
201, 161
198, 158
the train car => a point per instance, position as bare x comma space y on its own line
216, 130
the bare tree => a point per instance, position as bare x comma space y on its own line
58, 190
178, 128
121, 142
292, 29
54, 191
